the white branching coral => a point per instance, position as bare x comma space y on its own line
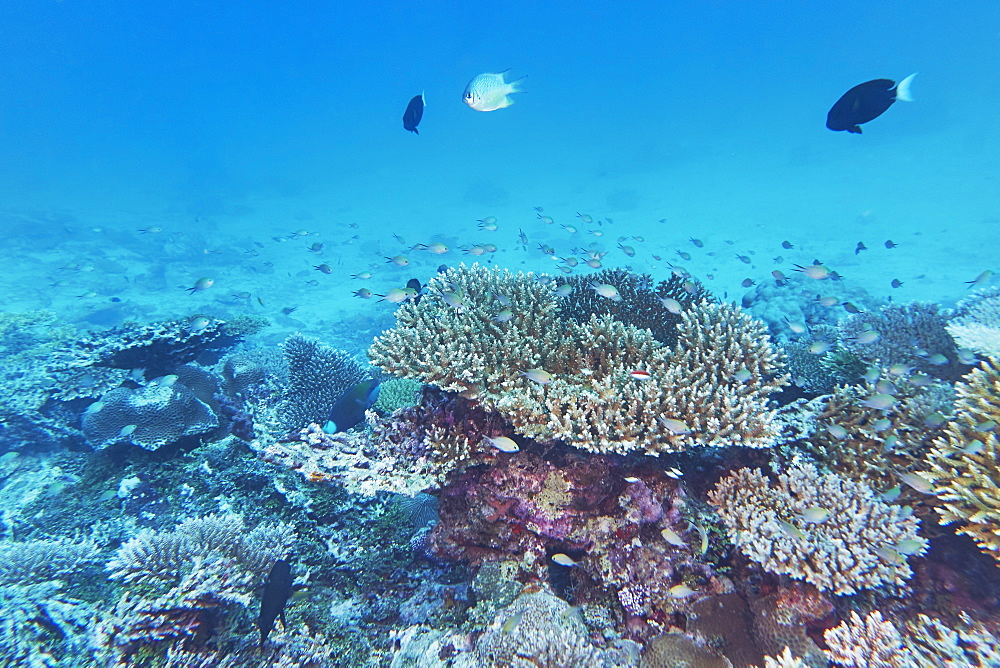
875, 642
866, 642
824, 529
976, 325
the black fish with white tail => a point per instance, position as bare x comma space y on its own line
414, 112
866, 102
277, 591
350, 408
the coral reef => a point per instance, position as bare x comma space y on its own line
159, 413
824, 529
780, 620
712, 389
677, 649
42, 624
538, 629
964, 464
317, 377
627, 540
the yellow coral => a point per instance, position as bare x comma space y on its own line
965, 461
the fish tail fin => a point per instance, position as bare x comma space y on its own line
514, 88
903, 89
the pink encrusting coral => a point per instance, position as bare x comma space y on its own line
621, 528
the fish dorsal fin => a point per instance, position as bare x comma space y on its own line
903, 89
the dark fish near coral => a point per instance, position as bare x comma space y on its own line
277, 591
414, 112
414, 284
866, 102
350, 408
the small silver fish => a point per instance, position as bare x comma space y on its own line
489, 91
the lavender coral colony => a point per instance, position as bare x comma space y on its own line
607, 471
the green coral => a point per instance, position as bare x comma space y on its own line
398, 393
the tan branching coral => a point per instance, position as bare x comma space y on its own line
965, 461
711, 389
824, 529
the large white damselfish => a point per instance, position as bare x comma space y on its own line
489, 91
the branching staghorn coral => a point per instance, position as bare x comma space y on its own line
599, 385
965, 461
824, 529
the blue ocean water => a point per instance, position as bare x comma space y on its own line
147, 146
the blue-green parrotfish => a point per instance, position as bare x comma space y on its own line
350, 408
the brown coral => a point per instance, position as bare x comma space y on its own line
824, 529
965, 461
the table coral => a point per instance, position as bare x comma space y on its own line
710, 389
965, 461
858, 543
